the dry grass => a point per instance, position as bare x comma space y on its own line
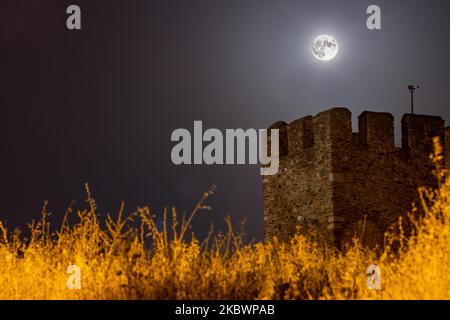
132, 259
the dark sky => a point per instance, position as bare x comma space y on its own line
99, 105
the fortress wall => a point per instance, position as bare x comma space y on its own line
375, 192
344, 184
417, 134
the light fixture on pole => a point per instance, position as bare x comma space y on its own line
412, 88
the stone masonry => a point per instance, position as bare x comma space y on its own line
343, 184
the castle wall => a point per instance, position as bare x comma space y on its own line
344, 184
301, 193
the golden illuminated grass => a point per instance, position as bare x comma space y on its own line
132, 259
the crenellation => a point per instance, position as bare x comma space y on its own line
283, 138
376, 131
343, 184
418, 132
334, 127
300, 135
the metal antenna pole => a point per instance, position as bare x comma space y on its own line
412, 88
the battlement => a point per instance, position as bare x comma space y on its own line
376, 130
417, 132
283, 140
333, 129
339, 182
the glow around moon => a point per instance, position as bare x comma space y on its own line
325, 48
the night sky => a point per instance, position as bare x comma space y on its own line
99, 105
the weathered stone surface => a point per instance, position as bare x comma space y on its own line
344, 184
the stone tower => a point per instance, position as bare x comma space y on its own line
344, 184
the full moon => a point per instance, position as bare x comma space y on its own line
325, 48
